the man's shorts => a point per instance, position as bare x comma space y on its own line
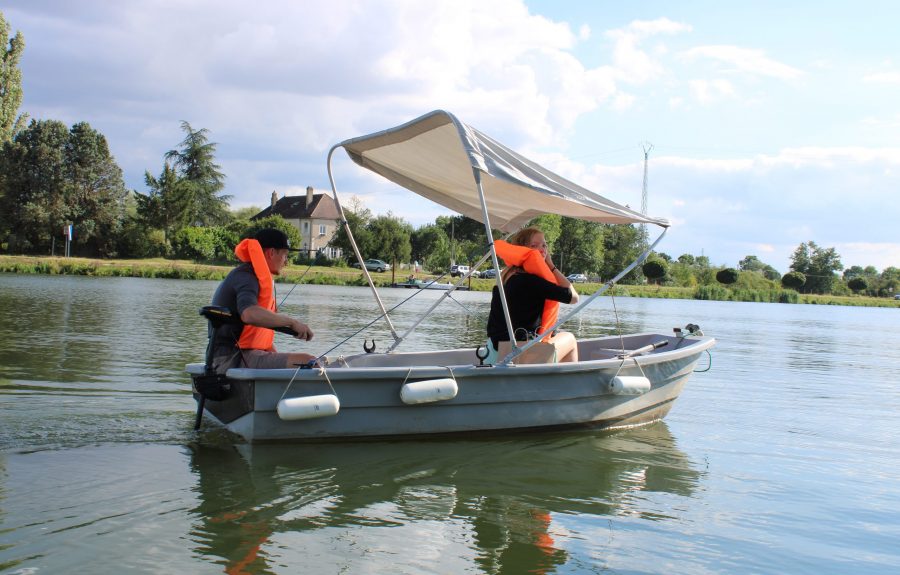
259, 359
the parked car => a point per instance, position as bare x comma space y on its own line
577, 278
456, 270
897, 296
489, 274
374, 265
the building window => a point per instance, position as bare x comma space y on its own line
321, 229
305, 226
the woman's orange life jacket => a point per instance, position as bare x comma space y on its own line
531, 260
253, 337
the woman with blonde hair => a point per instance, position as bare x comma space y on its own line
526, 296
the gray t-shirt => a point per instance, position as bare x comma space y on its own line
238, 291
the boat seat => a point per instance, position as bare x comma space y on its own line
541, 352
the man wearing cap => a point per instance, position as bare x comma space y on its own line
249, 292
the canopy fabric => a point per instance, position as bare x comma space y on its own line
435, 155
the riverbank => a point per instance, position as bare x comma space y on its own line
320, 275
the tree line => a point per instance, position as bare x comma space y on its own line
52, 175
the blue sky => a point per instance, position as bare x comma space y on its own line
772, 123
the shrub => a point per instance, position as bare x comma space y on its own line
654, 269
727, 276
857, 284
137, 241
793, 280
194, 243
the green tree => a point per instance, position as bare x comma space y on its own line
391, 239
273, 221
550, 224
753, 264
96, 192
358, 219
202, 178
817, 265
464, 233
10, 82
166, 206
621, 246
53, 176
431, 247
470, 251
579, 246
682, 274
889, 281
244, 214
34, 178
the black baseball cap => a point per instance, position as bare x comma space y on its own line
272, 238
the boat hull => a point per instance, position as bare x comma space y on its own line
489, 399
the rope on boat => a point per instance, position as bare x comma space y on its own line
322, 371
612, 296
296, 283
368, 325
708, 367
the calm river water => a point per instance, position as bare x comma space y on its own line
783, 458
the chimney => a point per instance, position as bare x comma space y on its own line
309, 196
274, 197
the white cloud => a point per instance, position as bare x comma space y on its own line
707, 91
634, 64
880, 255
890, 122
744, 60
882, 78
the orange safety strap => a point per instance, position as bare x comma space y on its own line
532, 262
253, 337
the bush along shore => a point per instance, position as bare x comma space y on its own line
320, 275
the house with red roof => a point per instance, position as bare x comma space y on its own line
315, 215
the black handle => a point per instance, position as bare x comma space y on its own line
219, 315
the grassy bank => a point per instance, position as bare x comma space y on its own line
181, 269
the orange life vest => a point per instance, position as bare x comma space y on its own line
253, 337
532, 262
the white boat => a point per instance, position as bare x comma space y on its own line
619, 381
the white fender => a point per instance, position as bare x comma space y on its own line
308, 407
628, 385
428, 391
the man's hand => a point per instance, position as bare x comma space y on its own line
303, 330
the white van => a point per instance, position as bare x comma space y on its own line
456, 270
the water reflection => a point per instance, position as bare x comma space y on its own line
494, 502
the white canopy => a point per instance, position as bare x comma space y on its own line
434, 156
